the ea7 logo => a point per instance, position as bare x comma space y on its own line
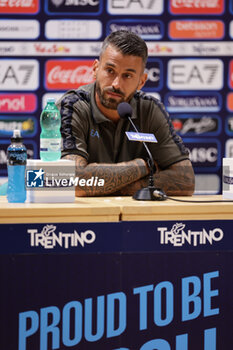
132, 7
19, 75
195, 74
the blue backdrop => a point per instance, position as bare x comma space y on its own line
48, 47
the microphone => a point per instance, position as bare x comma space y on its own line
125, 112
147, 193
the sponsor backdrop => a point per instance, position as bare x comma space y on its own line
47, 47
105, 285
89, 286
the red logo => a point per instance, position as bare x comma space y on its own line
19, 103
157, 48
230, 101
231, 74
196, 29
197, 7
69, 74
177, 124
51, 48
19, 6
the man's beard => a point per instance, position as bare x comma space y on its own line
109, 102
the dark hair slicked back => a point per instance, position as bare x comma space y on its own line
128, 43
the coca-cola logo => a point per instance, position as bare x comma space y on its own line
62, 75
19, 6
197, 6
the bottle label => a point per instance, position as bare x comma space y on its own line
16, 156
50, 145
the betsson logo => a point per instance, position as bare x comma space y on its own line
48, 238
192, 29
177, 236
68, 74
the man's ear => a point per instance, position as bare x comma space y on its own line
95, 68
142, 81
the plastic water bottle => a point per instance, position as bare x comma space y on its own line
16, 167
50, 137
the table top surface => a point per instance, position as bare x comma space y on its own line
118, 208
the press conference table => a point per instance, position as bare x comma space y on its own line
114, 273
109, 209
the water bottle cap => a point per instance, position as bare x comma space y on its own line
16, 136
51, 99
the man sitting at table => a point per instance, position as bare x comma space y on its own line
94, 134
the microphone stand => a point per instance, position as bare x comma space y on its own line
149, 193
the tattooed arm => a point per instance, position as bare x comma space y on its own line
176, 180
115, 176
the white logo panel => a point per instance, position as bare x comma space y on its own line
195, 74
73, 29
19, 29
229, 148
231, 29
207, 184
132, 7
19, 75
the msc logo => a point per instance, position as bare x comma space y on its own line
204, 153
35, 178
74, 6
154, 74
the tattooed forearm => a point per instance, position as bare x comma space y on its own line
107, 178
177, 180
